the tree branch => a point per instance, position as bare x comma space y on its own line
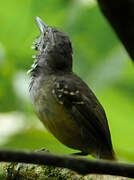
121, 16
81, 166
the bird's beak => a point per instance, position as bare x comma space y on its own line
42, 26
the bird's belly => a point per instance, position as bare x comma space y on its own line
61, 124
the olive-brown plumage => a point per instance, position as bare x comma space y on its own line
62, 101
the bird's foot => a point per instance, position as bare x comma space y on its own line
42, 150
99, 155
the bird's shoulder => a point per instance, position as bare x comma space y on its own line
72, 88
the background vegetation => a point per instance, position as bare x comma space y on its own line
99, 59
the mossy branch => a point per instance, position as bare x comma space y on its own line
81, 166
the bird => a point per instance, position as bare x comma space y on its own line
63, 101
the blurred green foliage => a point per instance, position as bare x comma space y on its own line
99, 59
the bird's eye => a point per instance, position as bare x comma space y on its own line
45, 33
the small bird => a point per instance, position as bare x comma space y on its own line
63, 101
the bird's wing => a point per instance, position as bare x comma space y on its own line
93, 116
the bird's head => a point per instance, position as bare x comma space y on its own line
54, 49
